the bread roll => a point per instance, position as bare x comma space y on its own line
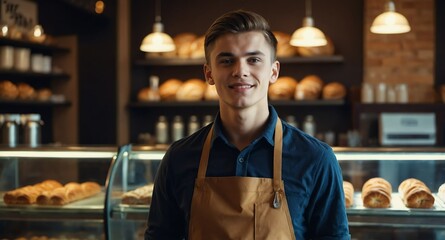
309, 88
211, 94
141, 195
334, 91
44, 94
183, 42
284, 49
168, 89
348, 189
8, 90
415, 194
376, 193
143, 94
26, 92
283, 88
191, 90
68, 193
325, 50
197, 48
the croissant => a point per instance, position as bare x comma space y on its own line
348, 188
28, 194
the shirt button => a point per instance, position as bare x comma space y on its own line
241, 160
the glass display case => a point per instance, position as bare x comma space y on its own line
25, 174
136, 166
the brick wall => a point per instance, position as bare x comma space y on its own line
402, 58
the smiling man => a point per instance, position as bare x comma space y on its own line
249, 175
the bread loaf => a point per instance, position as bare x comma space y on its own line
334, 91
44, 94
139, 196
28, 194
415, 194
68, 193
283, 88
376, 193
183, 42
168, 89
8, 90
309, 88
26, 92
191, 90
284, 49
348, 189
197, 48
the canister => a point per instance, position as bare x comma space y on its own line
10, 130
32, 130
22, 59
6, 57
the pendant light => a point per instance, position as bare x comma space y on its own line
157, 41
390, 22
308, 35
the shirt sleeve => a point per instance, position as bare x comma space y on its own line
327, 211
164, 220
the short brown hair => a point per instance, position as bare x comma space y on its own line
239, 21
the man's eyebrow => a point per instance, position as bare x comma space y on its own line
228, 54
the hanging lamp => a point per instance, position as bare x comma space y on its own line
390, 22
157, 41
308, 35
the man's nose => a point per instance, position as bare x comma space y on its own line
240, 69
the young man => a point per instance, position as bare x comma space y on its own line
248, 175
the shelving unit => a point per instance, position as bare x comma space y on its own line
62, 80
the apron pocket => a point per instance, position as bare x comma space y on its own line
272, 223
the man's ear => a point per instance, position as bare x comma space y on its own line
208, 74
275, 72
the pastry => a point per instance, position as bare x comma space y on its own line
168, 89
349, 193
415, 194
28, 194
283, 88
191, 90
43, 94
376, 193
334, 91
197, 48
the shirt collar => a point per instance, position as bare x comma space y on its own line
268, 133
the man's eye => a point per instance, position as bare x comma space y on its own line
225, 61
254, 60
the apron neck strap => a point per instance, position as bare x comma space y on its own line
277, 154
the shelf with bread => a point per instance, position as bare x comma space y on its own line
48, 46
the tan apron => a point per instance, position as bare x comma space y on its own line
240, 207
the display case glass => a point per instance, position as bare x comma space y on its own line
136, 166
23, 174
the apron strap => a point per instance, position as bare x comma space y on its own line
277, 155
205, 155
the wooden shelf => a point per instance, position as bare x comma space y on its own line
34, 103
33, 45
175, 61
14, 74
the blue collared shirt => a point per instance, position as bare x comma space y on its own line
311, 174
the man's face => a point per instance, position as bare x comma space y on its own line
241, 68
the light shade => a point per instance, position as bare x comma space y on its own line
157, 41
308, 35
390, 22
